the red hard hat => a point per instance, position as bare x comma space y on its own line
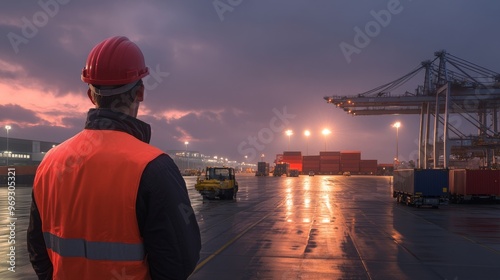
114, 61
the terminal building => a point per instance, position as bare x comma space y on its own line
25, 155
22, 152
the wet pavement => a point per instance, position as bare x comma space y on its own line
320, 227
335, 227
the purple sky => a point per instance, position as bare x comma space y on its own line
227, 72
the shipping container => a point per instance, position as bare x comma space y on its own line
294, 159
349, 165
330, 157
421, 186
296, 165
306, 168
368, 166
262, 169
368, 163
329, 153
310, 158
467, 185
350, 161
292, 153
350, 155
329, 169
329, 161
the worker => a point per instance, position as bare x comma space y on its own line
105, 203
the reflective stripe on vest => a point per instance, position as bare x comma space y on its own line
74, 247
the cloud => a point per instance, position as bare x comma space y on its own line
225, 77
14, 113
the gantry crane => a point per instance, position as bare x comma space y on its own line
451, 86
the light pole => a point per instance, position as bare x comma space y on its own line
8, 127
325, 132
397, 125
186, 153
289, 133
307, 133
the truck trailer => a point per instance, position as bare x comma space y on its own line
281, 169
262, 169
421, 187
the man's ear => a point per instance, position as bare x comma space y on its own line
91, 97
140, 93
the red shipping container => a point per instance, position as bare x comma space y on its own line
327, 153
368, 163
475, 182
482, 182
310, 158
329, 161
337, 158
349, 163
350, 167
297, 166
291, 153
329, 168
350, 155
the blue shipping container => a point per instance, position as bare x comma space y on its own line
424, 182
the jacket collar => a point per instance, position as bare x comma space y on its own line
107, 119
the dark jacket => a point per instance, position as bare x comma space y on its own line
170, 232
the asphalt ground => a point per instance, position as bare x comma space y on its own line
318, 227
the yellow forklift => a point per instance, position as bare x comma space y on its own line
218, 182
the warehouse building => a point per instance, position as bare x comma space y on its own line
17, 152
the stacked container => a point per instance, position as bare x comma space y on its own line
294, 159
368, 166
262, 169
350, 161
329, 162
311, 163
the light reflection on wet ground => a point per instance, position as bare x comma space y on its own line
321, 227
335, 227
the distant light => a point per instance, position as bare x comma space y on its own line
8, 127
289, 132
185, 143
307, 133
326, 131
396, 125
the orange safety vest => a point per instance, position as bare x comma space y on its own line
86, 190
